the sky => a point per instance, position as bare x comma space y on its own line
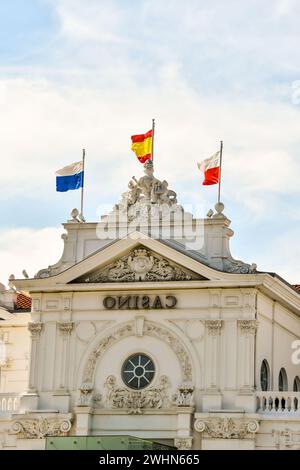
90, 73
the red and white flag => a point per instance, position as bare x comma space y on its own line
211, 169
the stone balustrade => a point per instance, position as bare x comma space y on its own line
9, 402
278, 402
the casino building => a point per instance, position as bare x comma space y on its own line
148, 327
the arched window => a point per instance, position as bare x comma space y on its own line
282, 380
264, 375
296, 384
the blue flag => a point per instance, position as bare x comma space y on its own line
70, 177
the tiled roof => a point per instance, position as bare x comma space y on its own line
22, 302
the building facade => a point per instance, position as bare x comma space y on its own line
14, 355
148, 327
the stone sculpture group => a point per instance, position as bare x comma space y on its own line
149, 189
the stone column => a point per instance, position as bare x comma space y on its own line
246, 358
61, 397
29, 400
35, 329
212, 397
213, 328
65, 329
246, 353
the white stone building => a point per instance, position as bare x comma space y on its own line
14, 355
148, 327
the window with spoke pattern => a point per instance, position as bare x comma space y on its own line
138, 371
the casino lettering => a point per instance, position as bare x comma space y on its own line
137, 302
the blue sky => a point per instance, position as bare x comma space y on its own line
89, 73
24, 25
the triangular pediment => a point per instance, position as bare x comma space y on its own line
140, 265
170, 262
110, 263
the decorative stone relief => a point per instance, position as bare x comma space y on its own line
121, 332
6, 363
183, 443
134, 401
66, 327
150, 329
139, 325
286, 439
41, 427
215, 299
214, 327
4, 337
238, 267
67, 303
248, 326
86, 330
148, 187
194, 329
153, 329
43, 273
139, 265
85, 398
231, 300
52, 304
35, 328
184, 394
226, 428
35, 305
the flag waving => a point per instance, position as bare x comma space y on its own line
211, 169
70, 177
142, 146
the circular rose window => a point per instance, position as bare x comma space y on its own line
138, 371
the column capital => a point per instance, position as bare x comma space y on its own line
248, 326
35, 328
65, 327
214, 326
183, 443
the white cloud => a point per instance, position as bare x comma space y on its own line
226, 37
282, 255
285, 8
52, 123
29, 249
95, 21
206, 70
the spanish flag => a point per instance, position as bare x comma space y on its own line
142, 146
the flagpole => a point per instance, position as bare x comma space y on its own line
82, 187
220, 175
152, 145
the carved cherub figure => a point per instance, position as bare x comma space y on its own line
146, 182
161, 193
134, 192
